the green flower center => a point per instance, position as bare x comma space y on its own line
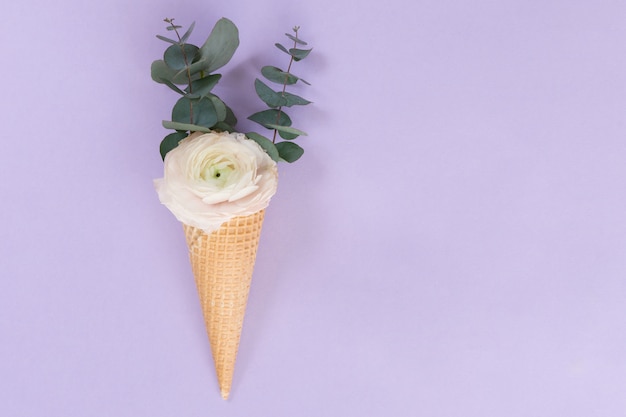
217, 173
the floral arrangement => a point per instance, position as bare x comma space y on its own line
200, 110
217, 181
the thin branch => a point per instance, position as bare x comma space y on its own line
280, 108
182, 48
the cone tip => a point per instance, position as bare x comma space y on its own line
225, 394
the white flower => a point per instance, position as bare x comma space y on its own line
211, 178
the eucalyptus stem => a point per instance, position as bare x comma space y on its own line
280, 108
182, 49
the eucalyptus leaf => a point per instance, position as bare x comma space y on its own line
197, 68
185, 127
231, 119
182, 77
170, 142
205, 112
160, 72
266, 144
269, 96
278, 76
168, 40
198, 112
289, 151
183, 111
271, 117
290, 132
299, 54
223, 126
282, 48
188, 32
178, 57
296, 40
173, 87
294, 100
219, 106
219, 47
204, 85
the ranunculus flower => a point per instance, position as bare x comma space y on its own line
211, 178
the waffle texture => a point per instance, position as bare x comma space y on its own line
222, 264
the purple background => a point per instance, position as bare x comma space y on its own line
451, 244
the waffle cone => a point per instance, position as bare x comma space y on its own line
222, 264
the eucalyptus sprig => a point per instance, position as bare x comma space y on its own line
184, 64
275, 117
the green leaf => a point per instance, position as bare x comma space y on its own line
187, 33
231, 119
160, 72
296, 40
170, 142
163, 38
269, 96
287, 132
289, 151
219, 105
175, 55
183, 111
173, 87
223, 126
207, 113
185, 127
204, 85
271, 117
282, 48
294, 100
278, 76
266, 144
299, 54
198, 112
219, 47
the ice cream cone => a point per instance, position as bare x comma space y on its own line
222, 264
